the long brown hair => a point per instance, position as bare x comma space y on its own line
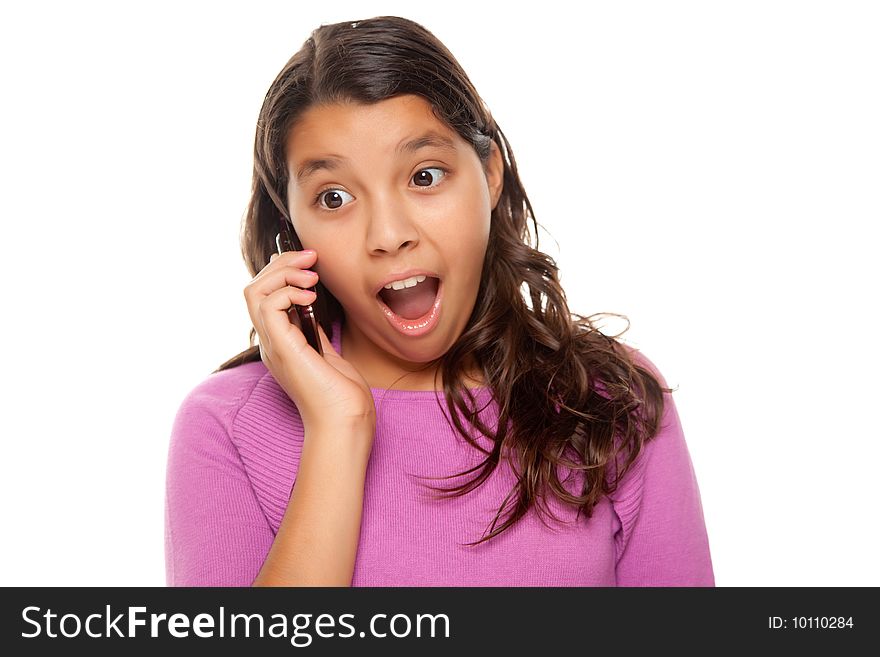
568, 395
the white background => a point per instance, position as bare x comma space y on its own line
708, 169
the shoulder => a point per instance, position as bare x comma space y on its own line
664, 457
668, 430
228, 388
219, 397
640, 359
669, 420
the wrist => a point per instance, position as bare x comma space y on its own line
351, 441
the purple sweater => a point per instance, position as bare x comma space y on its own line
233, 456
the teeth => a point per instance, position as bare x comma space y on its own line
407, 282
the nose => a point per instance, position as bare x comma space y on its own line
391, 229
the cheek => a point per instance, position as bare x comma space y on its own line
469, 259
479, 209
338, 284
468, 221
478, 229
331, 258
345, 283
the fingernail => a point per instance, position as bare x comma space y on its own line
308, 251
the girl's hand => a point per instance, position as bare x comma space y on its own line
327, 391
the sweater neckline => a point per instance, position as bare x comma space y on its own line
397, 393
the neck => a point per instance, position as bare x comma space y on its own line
382, 374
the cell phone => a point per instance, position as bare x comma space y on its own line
304, 317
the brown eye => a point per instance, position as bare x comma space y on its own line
428, 178
335, 203
332, 199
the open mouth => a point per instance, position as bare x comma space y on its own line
411, 302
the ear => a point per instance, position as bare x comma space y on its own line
495, 174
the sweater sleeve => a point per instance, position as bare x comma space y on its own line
216, 533
663, 539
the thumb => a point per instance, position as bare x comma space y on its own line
326, 345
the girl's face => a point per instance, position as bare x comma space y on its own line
372, 208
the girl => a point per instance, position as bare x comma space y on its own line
288, 467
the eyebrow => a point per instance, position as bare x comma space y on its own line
332, 162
